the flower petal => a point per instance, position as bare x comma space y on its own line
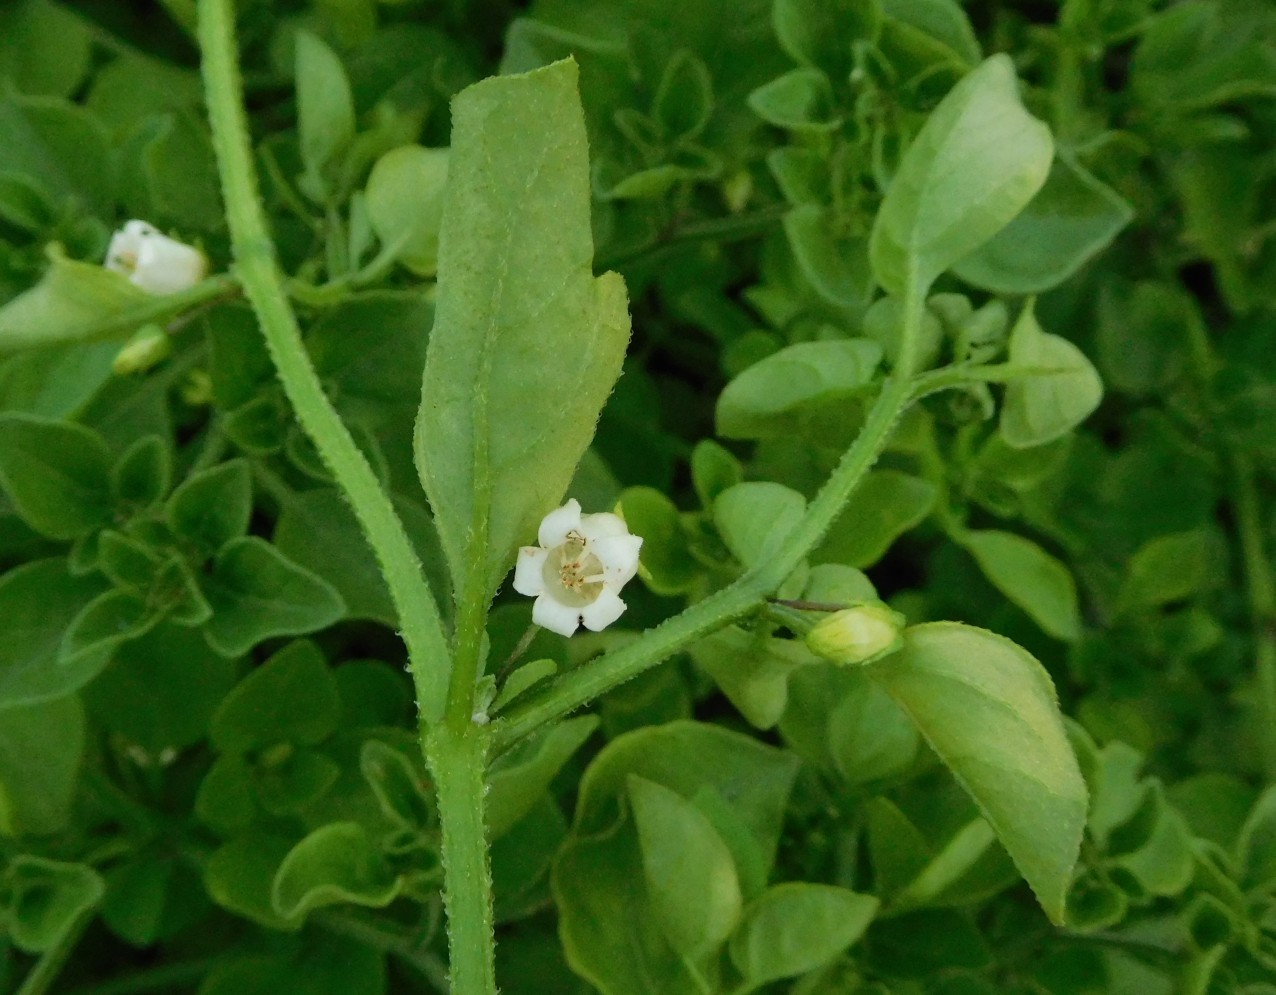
556, 525
602, 612
555, 616
601, 525
529, 576
166, 266
619, 556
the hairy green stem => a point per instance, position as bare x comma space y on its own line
51, 962
575, 688
457, 758
263, 284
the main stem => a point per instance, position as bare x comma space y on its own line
579, 686
263, 285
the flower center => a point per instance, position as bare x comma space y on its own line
574, 573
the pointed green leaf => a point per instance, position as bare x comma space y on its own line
291, 698
38, 602
256, 592
142, 476
795, 927
527, 343
111, 618
57, 474
691, 878
1030, 577
1041, 408
1070, 220
212, 507
988, 709
978, 160
405, 204
821, 32
325, 108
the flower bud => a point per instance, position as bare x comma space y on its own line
147, 348
858, 634
156, 263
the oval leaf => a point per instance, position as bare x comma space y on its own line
1072, 218
691, 878
988, 709
978, 160
795, 927
1041, 408
1030, 577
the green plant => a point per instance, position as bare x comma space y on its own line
928, 380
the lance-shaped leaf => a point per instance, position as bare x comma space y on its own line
978, 160
988, 709
527, 343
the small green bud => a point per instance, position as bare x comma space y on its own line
149, 347
858, 634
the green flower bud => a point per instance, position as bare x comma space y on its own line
858, 634
147, 348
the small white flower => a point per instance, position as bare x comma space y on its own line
156, 263
576, 573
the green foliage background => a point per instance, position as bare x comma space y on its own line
209, 774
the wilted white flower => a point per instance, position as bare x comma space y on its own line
576, 573
156, 263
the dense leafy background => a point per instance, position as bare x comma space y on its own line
207, 759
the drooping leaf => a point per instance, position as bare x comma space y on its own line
885, 505
754, 519
518, 780
405, 204
988, 709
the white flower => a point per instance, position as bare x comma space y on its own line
156, 263
577, 571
